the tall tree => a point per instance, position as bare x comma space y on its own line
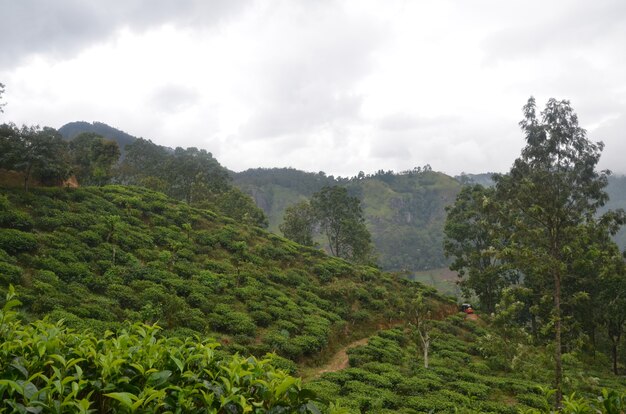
190, 167
472, 238
143, 159
341, 220
233, 203
551, 191
299, 223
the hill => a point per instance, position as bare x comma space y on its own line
404, 211
97, 256
72, 129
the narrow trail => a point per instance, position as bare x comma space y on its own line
339, 361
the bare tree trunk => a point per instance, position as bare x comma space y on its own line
27, 177
614, 356
425, 338
558, 374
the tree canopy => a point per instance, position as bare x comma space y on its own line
338, 217
38, 152
541, 221
93, 158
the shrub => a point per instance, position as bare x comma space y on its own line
135, 369
16, 219
418, 386
9, 273
15, 241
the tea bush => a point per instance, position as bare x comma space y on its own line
47, 368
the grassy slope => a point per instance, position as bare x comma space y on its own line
98, 256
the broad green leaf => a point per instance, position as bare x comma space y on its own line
157, 379
178, 363
284, 386
125, 398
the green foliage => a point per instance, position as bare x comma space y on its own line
16, 241
471, 238
97, 256
93, 157
387, 373
341, 220
404, 211
46, 368
539, 226
299, 223
36, 152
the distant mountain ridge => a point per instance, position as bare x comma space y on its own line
405, 212
72, 129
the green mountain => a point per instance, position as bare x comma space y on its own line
404, 211
72, 129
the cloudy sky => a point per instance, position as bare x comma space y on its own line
338, 86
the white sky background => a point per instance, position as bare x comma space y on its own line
336, 86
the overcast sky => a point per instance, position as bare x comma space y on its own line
338, 86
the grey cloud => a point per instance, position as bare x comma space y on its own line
404, 122
613, 134
569, 26
173, 98
308, 79
63, 27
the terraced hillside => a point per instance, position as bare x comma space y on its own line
99, 256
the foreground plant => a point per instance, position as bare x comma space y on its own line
47, 368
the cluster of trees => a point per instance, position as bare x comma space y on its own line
404, 211
539, 231
41, 153
187, 174
338, 217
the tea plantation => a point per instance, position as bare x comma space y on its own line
130, 301
98, 256
464, 376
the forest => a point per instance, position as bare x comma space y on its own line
151, 283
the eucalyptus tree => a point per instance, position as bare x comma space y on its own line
551, 193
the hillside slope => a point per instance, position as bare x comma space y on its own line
97, 256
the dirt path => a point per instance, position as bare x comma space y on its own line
339, 361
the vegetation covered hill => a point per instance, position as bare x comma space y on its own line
71, 130
97, 256
404, 211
